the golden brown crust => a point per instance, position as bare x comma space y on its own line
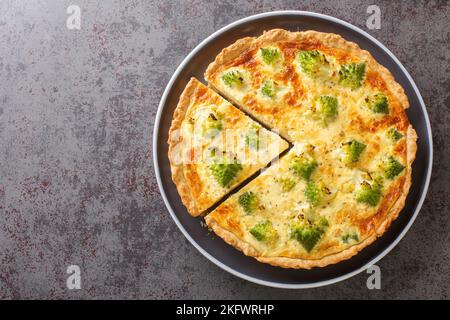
347, 50
175, 139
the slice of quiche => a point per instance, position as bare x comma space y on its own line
321, 203
213, 147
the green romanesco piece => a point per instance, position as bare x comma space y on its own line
353, 150
304, 166
350, 236
378, 103
268, 89
392, 168
327, 107
212, 126
270, 55
224, 171
312, 62
287, 184
252, 137
233, 78
370, 193
394, 134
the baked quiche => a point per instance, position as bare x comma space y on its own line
213, 147
348, 171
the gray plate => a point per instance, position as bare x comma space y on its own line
217, 250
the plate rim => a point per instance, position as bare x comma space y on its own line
175, 218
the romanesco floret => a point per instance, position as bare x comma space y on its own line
225, 171
268, 89
353, 150
309, 233
392, 168
328, 107
350, 236
312, 62
314, 193
270, 55
233, 78
352, 75
304, 166
394, 134
212, 126
370, 193
378, 103
252, 137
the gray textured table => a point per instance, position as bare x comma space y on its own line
76, 174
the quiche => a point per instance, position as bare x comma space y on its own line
347, 173
213, 147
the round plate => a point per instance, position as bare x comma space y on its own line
224, 255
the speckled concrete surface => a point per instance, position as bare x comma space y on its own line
76, 175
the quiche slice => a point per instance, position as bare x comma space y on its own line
213, 147
349, 174
317, 206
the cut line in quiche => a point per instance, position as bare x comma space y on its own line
348, 173
213, 147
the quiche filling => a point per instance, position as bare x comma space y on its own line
347, 174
